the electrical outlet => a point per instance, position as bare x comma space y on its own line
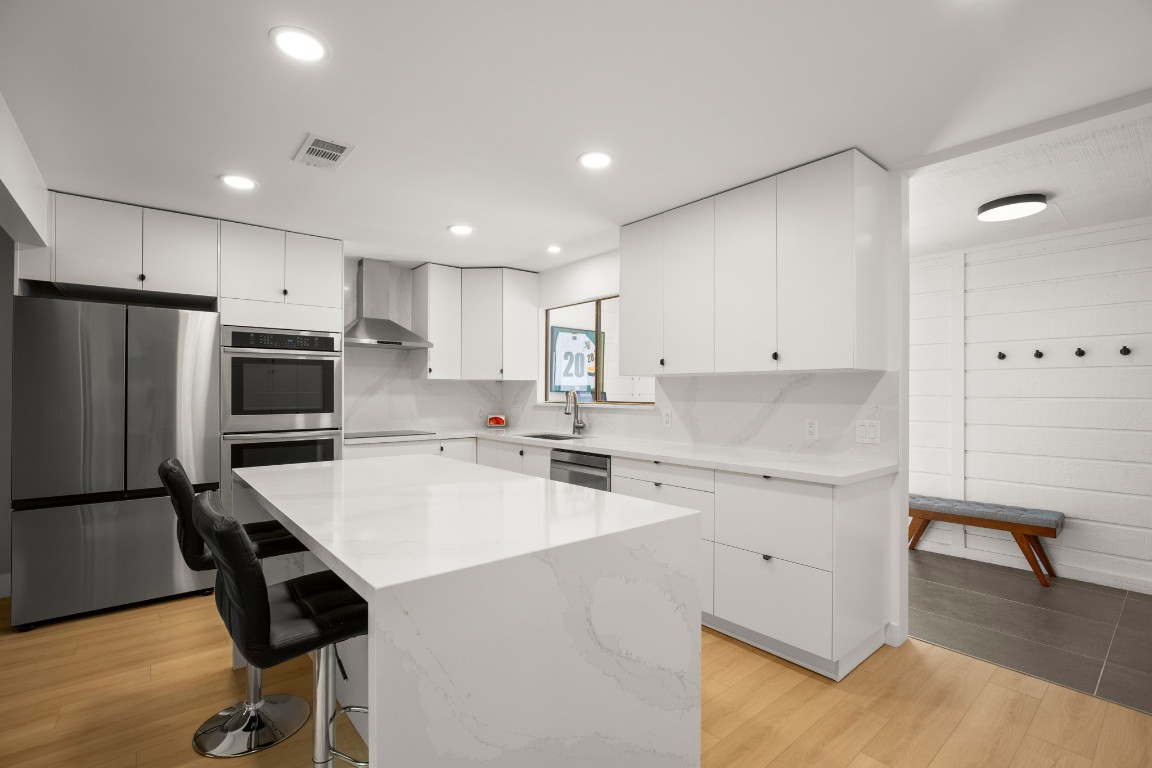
667, 413
867, 431
812, 429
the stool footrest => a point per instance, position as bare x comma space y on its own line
337, 753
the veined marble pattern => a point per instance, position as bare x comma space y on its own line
760, 411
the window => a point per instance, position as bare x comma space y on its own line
582, 354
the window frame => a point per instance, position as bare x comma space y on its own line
599, 333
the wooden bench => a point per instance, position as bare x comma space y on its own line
1025, 525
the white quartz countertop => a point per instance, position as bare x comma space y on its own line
825, 469
380, 522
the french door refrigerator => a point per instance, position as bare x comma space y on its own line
101, 394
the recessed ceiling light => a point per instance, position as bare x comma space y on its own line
299, 43
460, 229
595, 159
238, 182
1014, 207
553, 249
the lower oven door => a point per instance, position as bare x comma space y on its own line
263, 449
264, 390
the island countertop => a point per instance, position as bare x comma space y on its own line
379, 522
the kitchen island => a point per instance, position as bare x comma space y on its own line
513, 621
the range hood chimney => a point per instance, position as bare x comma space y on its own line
371, 328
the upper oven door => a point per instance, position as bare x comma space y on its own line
267, 390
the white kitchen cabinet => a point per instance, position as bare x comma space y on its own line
832, 306
398, 448
782, 518
313, 270
180, 253
707, 570
514, 457
746, 278
98, 242
689, 298
785, 601
500, 335
537, 461
251, 262
662, 472
436, 317
659, 491
461, 449
642, 298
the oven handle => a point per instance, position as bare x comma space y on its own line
279, 436
287, 353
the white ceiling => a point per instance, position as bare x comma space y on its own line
1096, 172
475, 111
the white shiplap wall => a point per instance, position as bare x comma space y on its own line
1060, 432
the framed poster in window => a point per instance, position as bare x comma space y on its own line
573, 364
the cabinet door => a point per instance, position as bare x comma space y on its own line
251, 262
436, 317
521, 325
98, 242
537, 461
689, 298
783, 518
313, 270
746, 278
481, 319
815, 265
460, 450
181, 253
707, 566
642, 298
500, 455
785, 601
401, 448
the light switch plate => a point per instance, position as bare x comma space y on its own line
812, 429
867, 431
667, 413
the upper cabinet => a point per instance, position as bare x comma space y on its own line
499, 335
180, 253
787, 273
98, 242
262, 264
436, 317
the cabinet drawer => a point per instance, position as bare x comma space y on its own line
661, 472
402, 448
674, 495
788, 602
782, 518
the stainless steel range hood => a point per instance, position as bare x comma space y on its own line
372, 327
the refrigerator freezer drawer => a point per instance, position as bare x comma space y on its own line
68, 560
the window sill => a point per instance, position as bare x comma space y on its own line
602, 406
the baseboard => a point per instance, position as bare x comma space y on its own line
5, 585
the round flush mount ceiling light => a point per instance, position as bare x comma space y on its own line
553, 249
298, 43
460, 229
595, 159
238, 182
1014, 207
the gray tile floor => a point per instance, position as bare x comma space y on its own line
1083, 636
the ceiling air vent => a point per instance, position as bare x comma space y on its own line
322, 152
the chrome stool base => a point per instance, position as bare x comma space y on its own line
252, 725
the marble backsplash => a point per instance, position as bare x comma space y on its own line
763, 411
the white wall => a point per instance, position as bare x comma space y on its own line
591, 278
1061, 432
23, 195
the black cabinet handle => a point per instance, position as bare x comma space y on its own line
1125, 351
501, 370
654, 461
766, 557
1000, 355
285, 291
766, 477
521, 452
1079, 352
142, 278
429, 370
657, 484
661, 361
441, 449
1037, 354
775, 355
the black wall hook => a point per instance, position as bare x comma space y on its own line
1125, 351
1000, 355
1079, 352
1037, 354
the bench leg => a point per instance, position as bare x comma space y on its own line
1030, 556
916, 529
1038, 548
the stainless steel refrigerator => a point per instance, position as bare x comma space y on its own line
101, 394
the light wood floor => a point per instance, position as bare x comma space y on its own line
129, 688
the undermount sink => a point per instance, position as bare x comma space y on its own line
550, 436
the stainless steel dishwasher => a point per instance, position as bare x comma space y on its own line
590, 470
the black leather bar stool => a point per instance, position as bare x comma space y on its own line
272, 624
259, 721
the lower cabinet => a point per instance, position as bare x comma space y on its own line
461, 449
514, 457
707, 566
786, 601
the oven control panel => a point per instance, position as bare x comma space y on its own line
266, 340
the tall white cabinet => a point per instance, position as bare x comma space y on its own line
500, 333
787, 273
436, 296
